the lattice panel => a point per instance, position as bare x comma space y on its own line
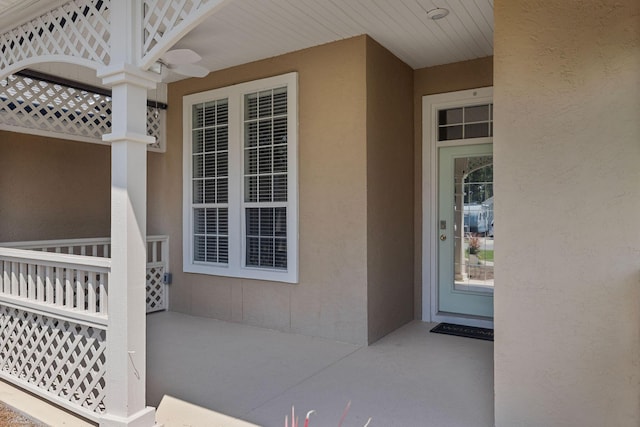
41, 105
64, 360
62, 111
156, 290
79, 28
161, 16
155, 127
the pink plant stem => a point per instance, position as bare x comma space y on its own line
344, 414
306, 420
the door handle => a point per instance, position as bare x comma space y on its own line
443, 237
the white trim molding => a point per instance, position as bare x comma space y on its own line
237, 199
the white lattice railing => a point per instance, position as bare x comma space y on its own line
53, 325
157, 266
54, 316
157, 260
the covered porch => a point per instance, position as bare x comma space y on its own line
341, 286
566, 312
410, 377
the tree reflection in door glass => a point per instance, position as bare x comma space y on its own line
473, 214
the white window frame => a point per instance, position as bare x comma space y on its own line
236, 213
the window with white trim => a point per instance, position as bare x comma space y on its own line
467, 122
240, 180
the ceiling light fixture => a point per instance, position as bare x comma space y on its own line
437, 13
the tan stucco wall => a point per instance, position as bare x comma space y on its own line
331, 297
52, 188
356, 252
389, 191
567, 150
429, 81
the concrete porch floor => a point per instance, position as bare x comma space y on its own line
409, 378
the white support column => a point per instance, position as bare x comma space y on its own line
125, 398
126, 335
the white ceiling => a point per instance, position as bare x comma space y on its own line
8, 4
16, 12
248, 30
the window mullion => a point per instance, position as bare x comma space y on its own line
236, 133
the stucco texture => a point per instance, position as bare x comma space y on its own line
566, 153
359, 193
389, 192
52, 188
330, 299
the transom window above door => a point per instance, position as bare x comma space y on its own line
465, 122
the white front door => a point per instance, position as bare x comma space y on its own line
457, 207
465, 236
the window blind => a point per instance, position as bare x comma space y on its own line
265, 178
211, 181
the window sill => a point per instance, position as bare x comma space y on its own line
242, 273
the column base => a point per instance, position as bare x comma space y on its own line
144, 418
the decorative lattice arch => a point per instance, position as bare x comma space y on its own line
166, 21
76, 32
79, 32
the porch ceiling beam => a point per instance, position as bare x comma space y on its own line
61, 81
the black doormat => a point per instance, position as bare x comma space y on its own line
464, 331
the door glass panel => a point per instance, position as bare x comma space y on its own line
473, 218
